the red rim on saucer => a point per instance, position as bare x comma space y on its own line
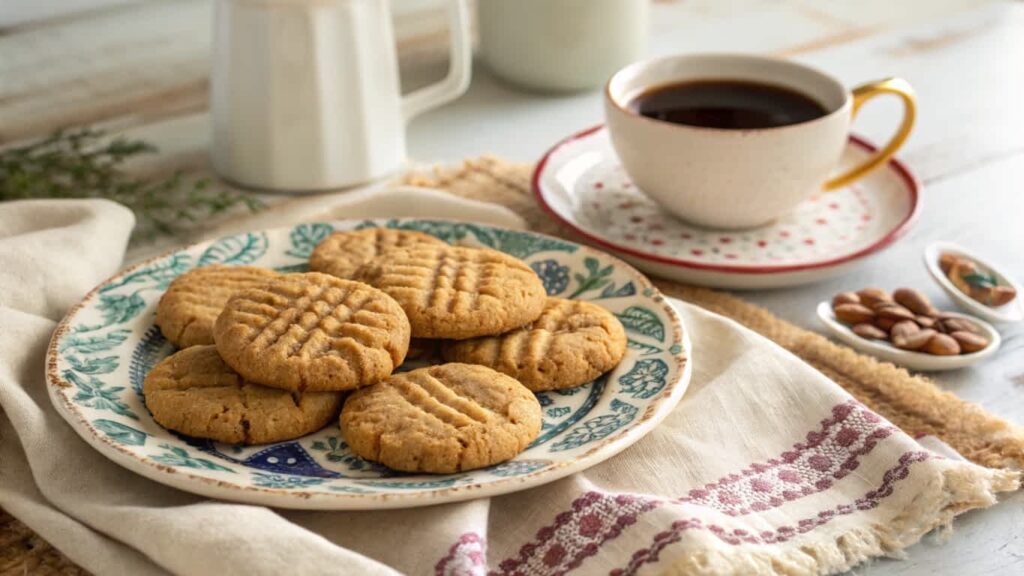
611, 236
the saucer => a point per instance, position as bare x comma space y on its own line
582, 184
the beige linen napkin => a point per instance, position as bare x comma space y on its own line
765, 466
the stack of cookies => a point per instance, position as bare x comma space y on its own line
267, 357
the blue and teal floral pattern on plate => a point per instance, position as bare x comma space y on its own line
101, 352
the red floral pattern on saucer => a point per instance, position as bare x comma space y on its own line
581, 182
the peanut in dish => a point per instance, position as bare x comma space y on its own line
980, 285
907, 320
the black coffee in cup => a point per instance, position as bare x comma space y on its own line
734, 104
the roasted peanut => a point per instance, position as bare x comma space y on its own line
925, 321
963, 266
950, 325
942, 345
895, 312
903, 329
869, 331
885, 323
914, 341
969, 342
845, 298
1000, 295
946, 262
957, 273
915, 301
872, 297
940, 319
853, 314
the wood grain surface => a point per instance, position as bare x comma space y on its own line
140, 68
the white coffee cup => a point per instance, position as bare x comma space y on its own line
741, 178
561, 45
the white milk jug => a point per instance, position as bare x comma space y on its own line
305, 96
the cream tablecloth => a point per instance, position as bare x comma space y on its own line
765, 466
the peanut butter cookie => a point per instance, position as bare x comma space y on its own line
189, 307
457, 292
441, 419
312, 332
194, 392
571, 343
342, 254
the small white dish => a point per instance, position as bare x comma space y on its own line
912, 360
1012, 311
582, 184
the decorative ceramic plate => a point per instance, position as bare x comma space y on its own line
581, 183
103, 349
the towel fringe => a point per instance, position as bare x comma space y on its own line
953, 491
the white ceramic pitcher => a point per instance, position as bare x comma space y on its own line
305, 96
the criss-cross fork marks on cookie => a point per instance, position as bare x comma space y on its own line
305, 321
196, 393
313, 332
190, 306
571, 343
441, 419
342, 254
456, 292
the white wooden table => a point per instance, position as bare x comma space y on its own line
140, 67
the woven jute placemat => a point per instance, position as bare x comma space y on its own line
913, 403
23, 552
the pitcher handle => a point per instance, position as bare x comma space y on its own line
459, 68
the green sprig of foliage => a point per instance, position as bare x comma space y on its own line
82, 163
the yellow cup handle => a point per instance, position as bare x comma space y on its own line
862, 94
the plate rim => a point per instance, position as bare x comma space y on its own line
911, 183
305, 500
